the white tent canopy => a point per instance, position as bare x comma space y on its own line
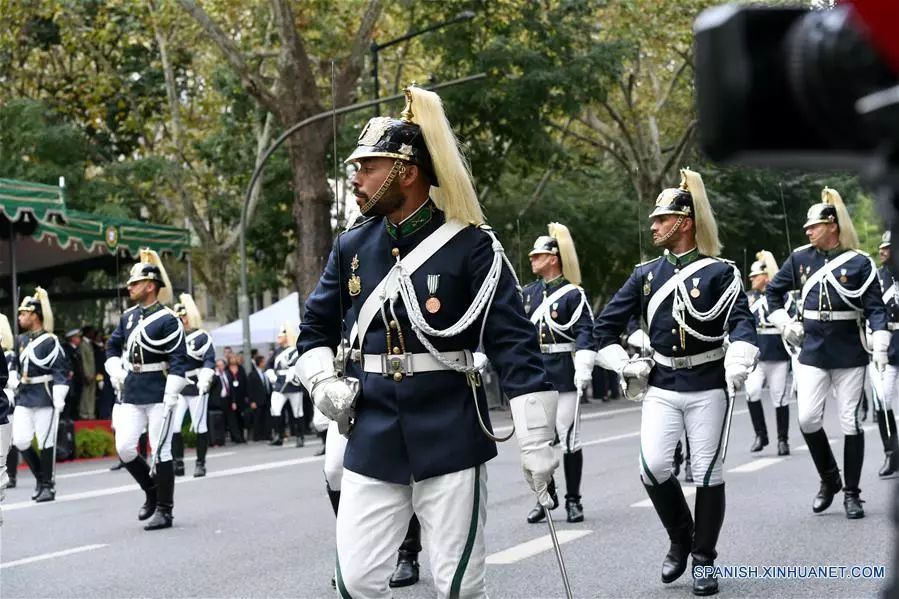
264, 324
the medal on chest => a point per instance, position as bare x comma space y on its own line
130, 322
843, 277
555, 310
803, 273
694, 293
647, 286
354, 283
432, 304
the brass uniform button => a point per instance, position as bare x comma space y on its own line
673, 348
395, 252
674, 331
393, 324
396, 351
397, 376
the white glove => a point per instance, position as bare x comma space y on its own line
635, 378
739, 360
11, 397
173, 386
534, 417
584, 360
59, 397
333, 396
638, 341
880, 343
480, 360
791, 330
12, 383
204, 380
116, 372
271, 376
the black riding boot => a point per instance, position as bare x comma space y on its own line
406, 572
671, 506
324, 437
783, 430
165, 485
853, 457
12, 466
537, 513
822, 455
709, 518
757, 415
143, 444
574, 468
178, 453
48, 485
334, 496
277, 430
886, 422
202, 444
140, 471
34, 464
301, 431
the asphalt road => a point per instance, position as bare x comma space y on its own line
260, 525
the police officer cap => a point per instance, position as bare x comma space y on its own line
885, 240
73, 333
386, 137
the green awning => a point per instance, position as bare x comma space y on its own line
21, 198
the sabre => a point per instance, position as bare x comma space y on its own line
163, 434
731, 397
558, 550
572, 433
879, 400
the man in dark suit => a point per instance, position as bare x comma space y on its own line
259, 390
76, 373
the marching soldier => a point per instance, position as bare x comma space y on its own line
690, 301
7, 404
559, 308
888, 391
285, 386
837, 296
41, 394
146, 362
774, 362
426, 289
195, 395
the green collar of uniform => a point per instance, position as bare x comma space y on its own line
831, 253
683, 259
412, 223
150, 309
557, 282
35, 334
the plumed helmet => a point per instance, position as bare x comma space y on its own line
885, 240
150, 268
187, 307
40, 304
689, 200
831, 209
764, 264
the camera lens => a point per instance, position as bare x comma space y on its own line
830, 65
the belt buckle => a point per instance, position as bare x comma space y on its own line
397, 365
682, 362
824, 316
136, 368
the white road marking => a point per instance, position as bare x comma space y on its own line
104, 470
756, 464
610, 439
21, 505
46, 556
501, 430
688, 492
534, 547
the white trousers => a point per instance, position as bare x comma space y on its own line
772, 375
197, 406
565, 428
335, 447
815, 385
666, 414
372, 523
31, 422
295, 399
131, 421
5, 442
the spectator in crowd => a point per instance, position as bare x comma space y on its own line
75, 375
260, 390
236, 380
88, 407
105, 392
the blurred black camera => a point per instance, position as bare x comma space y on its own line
793, 88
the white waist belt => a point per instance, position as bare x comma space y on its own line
409, 364
153, 367
556, 348
37, 380
827, 316
767, 331
893, 326
681, 362
283, 372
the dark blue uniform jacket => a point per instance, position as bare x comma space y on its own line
45, 358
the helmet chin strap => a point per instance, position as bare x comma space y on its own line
398, 168
671, 231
